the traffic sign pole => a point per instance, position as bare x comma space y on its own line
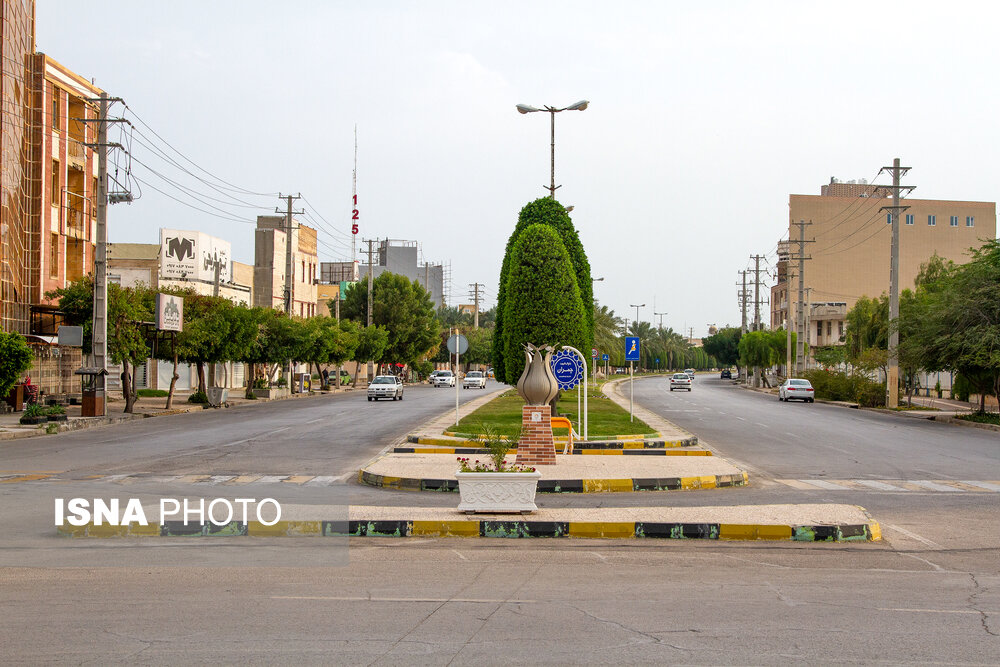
631, 388
583, 361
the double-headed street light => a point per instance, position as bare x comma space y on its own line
637, 307
579, 106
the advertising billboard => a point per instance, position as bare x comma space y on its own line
188, 255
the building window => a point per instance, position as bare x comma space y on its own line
56, 112
819, 331
953, 221
840, 329
931, 220
909, 218
888, 218
54, 256
56, 196
93, 198
829, 328
970, 221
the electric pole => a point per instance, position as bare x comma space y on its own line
892, 377
800, 312
100, 325
475, 295
743, 303
756, 291
371, 269
289, 270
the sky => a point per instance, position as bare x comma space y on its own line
703, 119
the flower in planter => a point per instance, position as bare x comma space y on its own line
498, 442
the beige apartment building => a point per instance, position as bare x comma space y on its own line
269, 265
848, 245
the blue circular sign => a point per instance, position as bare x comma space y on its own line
567, 368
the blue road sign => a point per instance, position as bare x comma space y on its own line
567, 368
657, 360
631, 348
604, 357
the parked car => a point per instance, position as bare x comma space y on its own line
795, 388
443, 379
690, 372
680, 381
385, 386
726, 374
474, 380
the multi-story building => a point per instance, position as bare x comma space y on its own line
270, 265
17, 44
847, 244
62, 218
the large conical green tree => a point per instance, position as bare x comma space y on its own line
545, 211
543, 304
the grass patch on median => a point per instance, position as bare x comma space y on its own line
984, 418
605, 418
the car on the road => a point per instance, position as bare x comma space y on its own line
796, 389
690, 372
680, 381
726, 374
385, 386
474, 380
443, 379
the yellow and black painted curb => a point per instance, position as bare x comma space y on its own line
512, 528
570, 485
623, 442
481, 450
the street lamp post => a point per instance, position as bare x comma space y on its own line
592, 281
579, 106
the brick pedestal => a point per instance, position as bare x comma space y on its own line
536, 446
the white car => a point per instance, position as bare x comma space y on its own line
795, 388
689, 372
680, 381
474, 380
385, 386
443, 379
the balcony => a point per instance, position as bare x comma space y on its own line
76, 154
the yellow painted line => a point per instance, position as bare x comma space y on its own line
601, 452
606, 529
700, 482
607, 485
105, 530
446, 528
297, 479
72, 531
25, 478
391, 481
732, 531
633, 444
191, 479
242, 479
876, 531
285, 529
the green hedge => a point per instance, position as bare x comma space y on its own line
854, 387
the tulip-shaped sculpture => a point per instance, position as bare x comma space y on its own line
537, 386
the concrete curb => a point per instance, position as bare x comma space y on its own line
569, 485
590, 444
512, 528
963, 422
587, 451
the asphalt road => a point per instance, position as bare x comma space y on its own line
929, 593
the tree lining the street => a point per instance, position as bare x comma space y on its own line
15, 359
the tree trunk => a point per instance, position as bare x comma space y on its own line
201, 377
127, 390
336, 383
173, 384
250, 379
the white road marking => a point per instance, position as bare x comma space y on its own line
983, 485
823, 484
321, 480
761, 425
913, 536
935, 611
112, 478
270, 479
934, 486
419, 600
881, 486
217, 479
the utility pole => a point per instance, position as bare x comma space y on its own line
743, 303
808, 326
475, 295
788, 321
756, 291
800, 310
100, 325
661, 318
892, 379
289, 270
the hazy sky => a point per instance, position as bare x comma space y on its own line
704, 117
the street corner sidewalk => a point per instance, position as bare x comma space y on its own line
667, 429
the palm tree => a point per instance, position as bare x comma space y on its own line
606, 328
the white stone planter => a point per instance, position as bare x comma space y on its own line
497, 491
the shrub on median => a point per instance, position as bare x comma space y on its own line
839, 386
